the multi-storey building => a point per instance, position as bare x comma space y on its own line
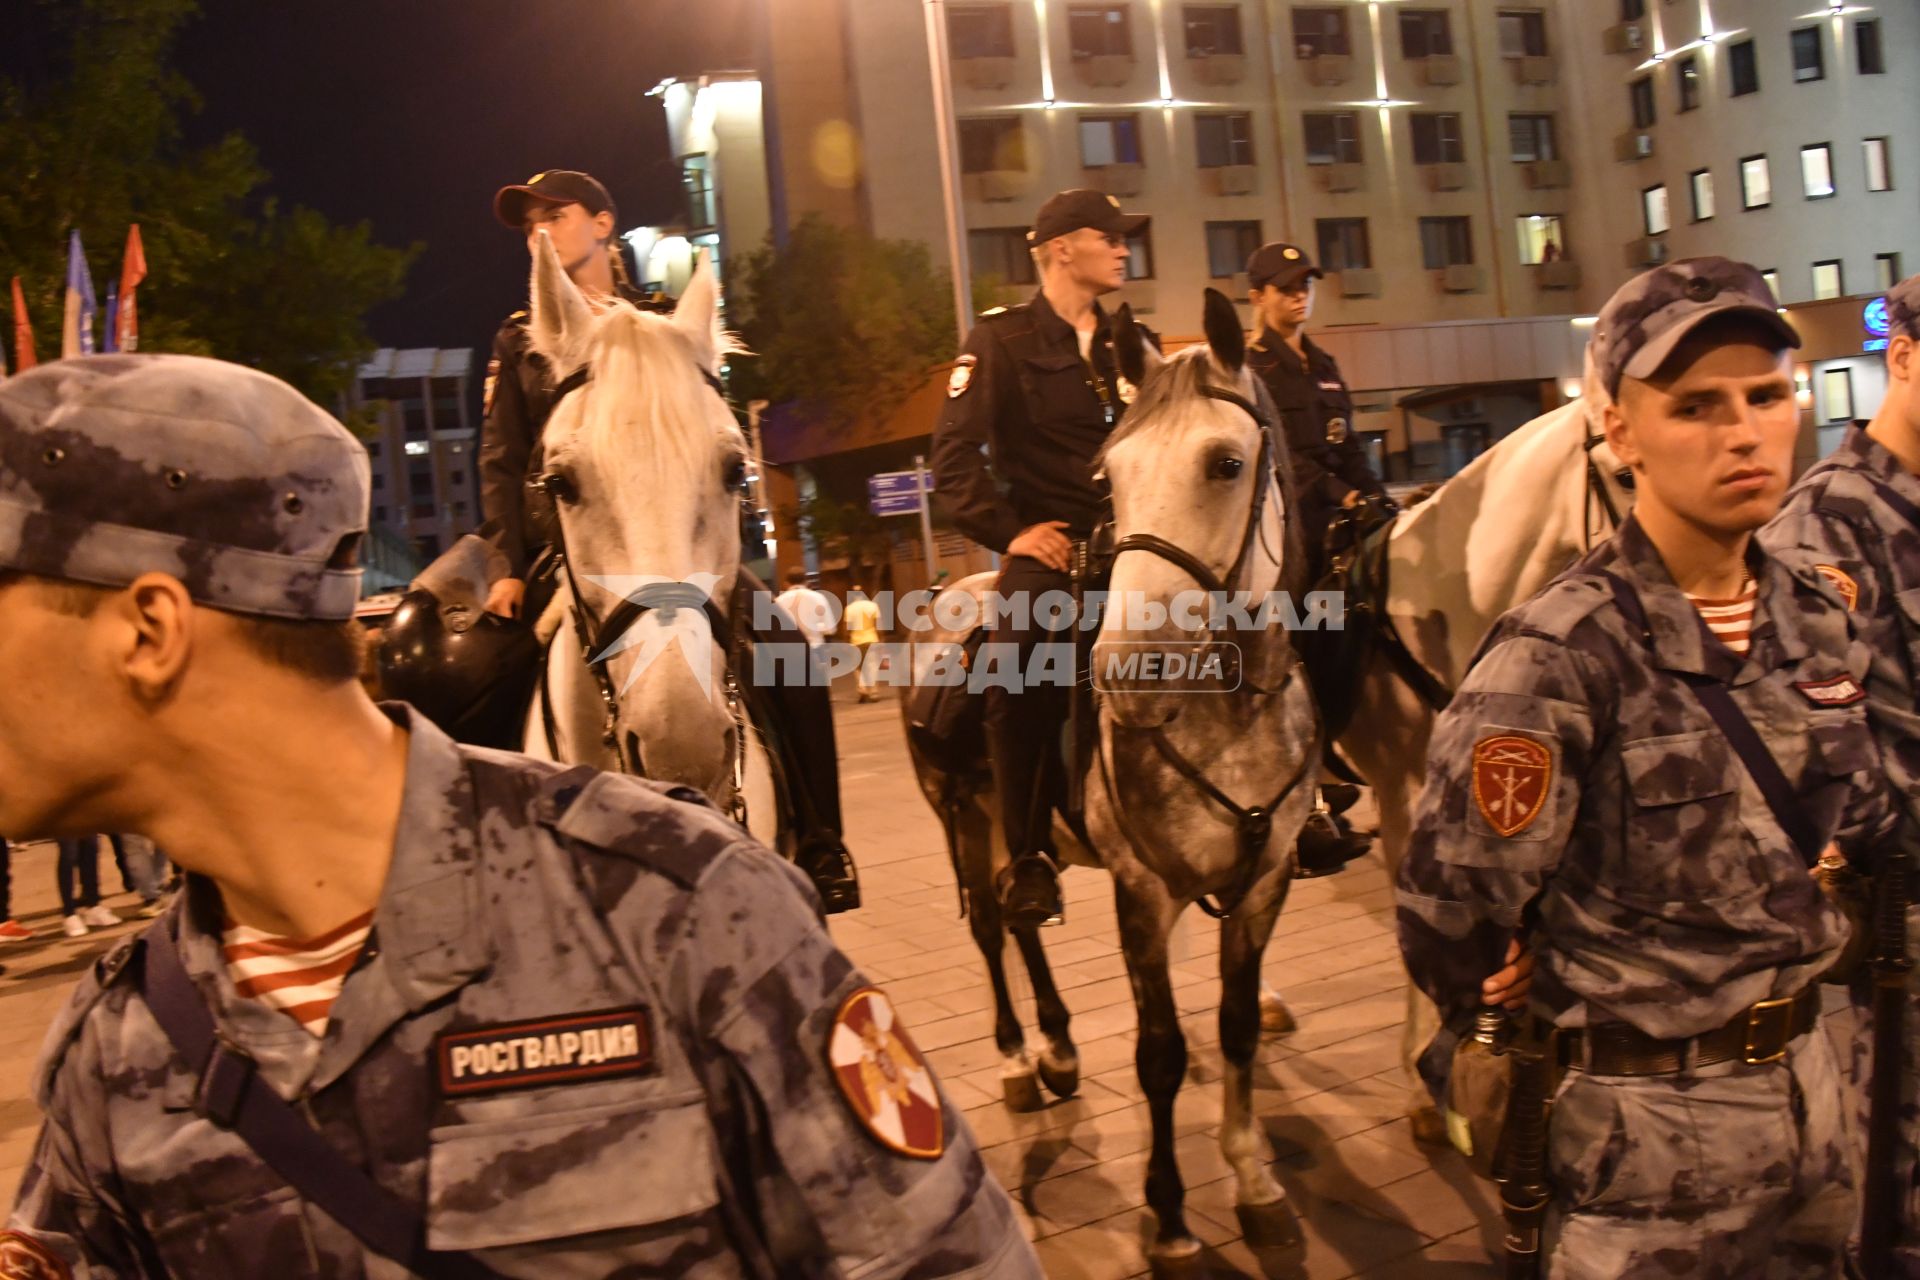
423, 451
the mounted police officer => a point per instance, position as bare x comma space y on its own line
1856, 515
422, 1009
578, 215
1032, 399
1330, 473
1624, 802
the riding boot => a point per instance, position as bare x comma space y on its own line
808, 756
1029, 892
1327, 844
1338, 797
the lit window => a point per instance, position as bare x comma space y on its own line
1700, 182
1816, 171
1886, 271
1772, 280
1756, 183
1836, 388
1541, 237
1653, 210
1106, 140
1879, 174
418, 448
1827, 280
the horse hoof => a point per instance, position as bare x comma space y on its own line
1263, 1192
1428, 1127
1020, 1093
1275, 1018
1177, 1256
1062, 1078
1268, 1226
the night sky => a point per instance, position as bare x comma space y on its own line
411, 113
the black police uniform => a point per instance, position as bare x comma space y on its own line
1023, 392
519, 398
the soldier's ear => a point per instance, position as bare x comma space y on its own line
697, 315
1900, 361
560, 318
1225, 338
1613, 424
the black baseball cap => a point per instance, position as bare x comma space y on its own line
1067, 211
1281, 265
555, 186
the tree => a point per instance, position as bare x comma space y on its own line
846, 528
95, 143
841, 324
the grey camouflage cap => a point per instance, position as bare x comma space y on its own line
1646, 317
226, 478
1903, 308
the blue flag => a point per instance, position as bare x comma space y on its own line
76, 330
110, 332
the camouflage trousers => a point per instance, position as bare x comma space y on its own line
1730, 1172
1860, 1070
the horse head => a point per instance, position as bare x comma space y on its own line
646, 468
1199, 505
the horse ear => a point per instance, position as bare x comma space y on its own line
697, 315
1129, 346
560, 315
1225, 337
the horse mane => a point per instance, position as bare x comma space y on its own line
645, 353
1176, 379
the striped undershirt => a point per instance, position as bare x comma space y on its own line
301, 977
1731, 621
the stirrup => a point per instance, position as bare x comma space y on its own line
828, 864
1025, 904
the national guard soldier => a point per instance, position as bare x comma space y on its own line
1328, 463
1038, 390
422, 1010
1856, 515
578, 215
1634, 781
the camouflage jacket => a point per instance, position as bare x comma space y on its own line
1576, 791
699, 1121
1837, 519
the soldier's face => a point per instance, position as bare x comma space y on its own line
1095, 260
1710, 436
577, 234
1285, 308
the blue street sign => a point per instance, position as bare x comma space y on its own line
894, 493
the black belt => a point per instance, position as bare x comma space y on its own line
1759, 1035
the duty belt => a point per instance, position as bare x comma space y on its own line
1759, 1035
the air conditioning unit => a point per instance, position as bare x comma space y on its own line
1558, 274
1533, 70
1547, 175
1445, 177
1343, 177
1634, 144
1358, 282
1235, 179
1627, 37
1116, 179
1106, 70
1218, 68
1440, 69
1330, 69
996, 185
985, 73
1647, 251
1462, 279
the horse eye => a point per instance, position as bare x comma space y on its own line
1225, 468
560, 487
735, 476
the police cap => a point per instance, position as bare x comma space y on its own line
553, 187
1069, 211
1281, 265
1646, 317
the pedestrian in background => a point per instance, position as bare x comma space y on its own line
11, 930
863, 632
77, 876
813, 611
143, 870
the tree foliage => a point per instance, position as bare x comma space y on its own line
841, 324
95, 142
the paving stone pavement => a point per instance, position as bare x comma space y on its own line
1366, 1199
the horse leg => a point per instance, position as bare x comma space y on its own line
1147, 915
1243, 939
1422, 1020
973, 832
1059, 1062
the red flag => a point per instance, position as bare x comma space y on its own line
133, 270
23, 357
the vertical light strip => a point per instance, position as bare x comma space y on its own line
1046, 52
1706, 21
1379, 54
1160, 48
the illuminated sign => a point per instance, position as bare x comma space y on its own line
1873, 318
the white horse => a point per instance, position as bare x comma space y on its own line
1488, 540
646, 466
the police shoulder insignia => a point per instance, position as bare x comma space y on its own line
883, 1077
1840, 691
1842, 582
961, 377
1512, 778
24, 1258
566, 1049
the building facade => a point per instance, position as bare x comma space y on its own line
423, 453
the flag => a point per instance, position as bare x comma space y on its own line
76, 326
23, 357
109, 332
133, 269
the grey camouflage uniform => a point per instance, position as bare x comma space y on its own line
1836, 517
521, 892
1657, 890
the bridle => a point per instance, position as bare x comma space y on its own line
598, 635
1597, 489
1253, 823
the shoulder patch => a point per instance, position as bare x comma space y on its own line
670, 829
1842, 581
1840, 691
24, 1258
1512, 781
962, 376
884, 1078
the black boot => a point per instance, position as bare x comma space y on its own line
1030, 892
1326, 845
824, 857
1339, 796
